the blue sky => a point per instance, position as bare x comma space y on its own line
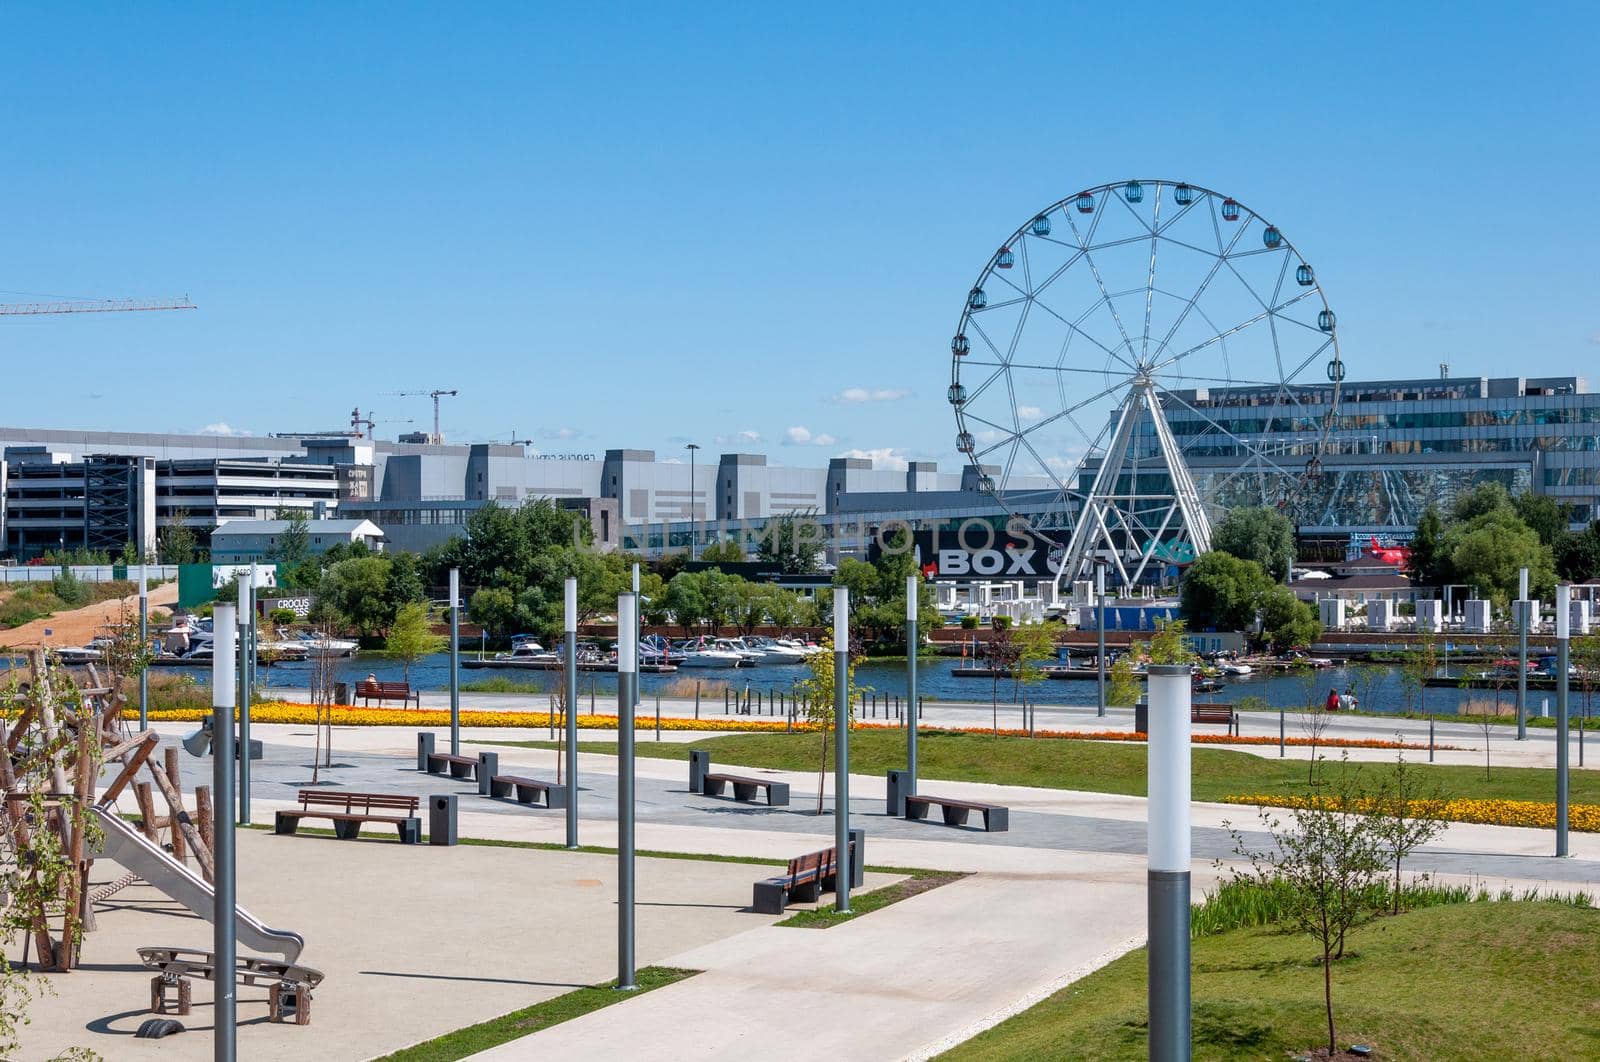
751, 227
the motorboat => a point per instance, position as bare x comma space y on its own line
751, 657
1229, 667
774, 652
321, 644
528, 650
657, 649
707, 652
75, 654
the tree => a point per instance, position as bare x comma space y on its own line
493, 608
1577, 555
1398, 830
1487, 551
1002, 654
411, 637
404, 584
1035, 644
1429, 562
1543, 514
294, 541
1416, 668
724, 551
686, 600
1482, 500
1220, 591
792, 541
357, 589
817, 691
1326, 860
1286, 621
1258, 533
177, 543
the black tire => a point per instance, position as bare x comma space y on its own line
156, 1028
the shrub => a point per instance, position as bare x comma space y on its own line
1000, 623
282, 617
72, 591
969, 623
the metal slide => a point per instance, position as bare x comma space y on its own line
130, 848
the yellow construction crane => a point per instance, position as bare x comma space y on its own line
32, 309
437, 437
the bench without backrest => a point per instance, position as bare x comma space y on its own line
460, 766
745, 788
528, 790
996, 818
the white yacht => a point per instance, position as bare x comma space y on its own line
775, 652
322, 645
704, 652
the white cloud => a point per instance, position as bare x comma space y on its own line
887, 457
800, 435
222, 428
1595, 339
857, 395
558, 433
672, 460
748, 437
1029, 412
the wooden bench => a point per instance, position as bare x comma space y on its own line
1215, 713
349, 810
289, 999
458, 766
996, 819
528, 790
745, 788
387, 691
806, 878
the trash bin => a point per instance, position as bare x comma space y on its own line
341, 693
424, 749
1141, 716
858, 856
442, 818
699, 765
488, 767
900, 787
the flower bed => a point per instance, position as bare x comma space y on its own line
1535, 813
349, 715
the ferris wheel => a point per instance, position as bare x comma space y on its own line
1136, 359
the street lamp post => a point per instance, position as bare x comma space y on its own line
570, 667
1563, 640
913, 644
1522, 654
694, 511
455, 661
224, 946
144, 647
841, 749
247, 592
1100, 627
1168, 768
627, 677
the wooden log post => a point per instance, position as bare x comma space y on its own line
204, 819
172, 789
185, 829
142, 794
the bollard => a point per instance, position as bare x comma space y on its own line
442, 818
858, 855
424, 749
488, 767
658, 715
697, 698
1281, 733
1430, 739
724, 700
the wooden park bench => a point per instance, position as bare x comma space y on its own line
289, 998
1215, 713
807, 877
387, 691
349, 810
528, 790
996, 819
458, 766
745, 788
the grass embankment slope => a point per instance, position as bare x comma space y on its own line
1090, 766
1465, 981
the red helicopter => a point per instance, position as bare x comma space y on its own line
1396, 555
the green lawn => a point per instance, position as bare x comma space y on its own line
1487, 980
1094, 766
575, 1004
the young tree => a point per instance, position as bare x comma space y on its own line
1395, 824
1314, 717
792, 541
1429, 563
817, 691
177, 542
1034, 645
324, 680
1327, 858
724, 551
1002, 654
1416, 668
294, 541
411, 637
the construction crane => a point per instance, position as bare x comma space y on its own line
370, 422
437, 437
33, 309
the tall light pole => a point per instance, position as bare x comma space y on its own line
455, 661
627, 676
223, 945
694, 511
1563, 640
1522, 654
1169, 852
913, 644
246, 609
570, 667
1100, 625
144, 647
841, 749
